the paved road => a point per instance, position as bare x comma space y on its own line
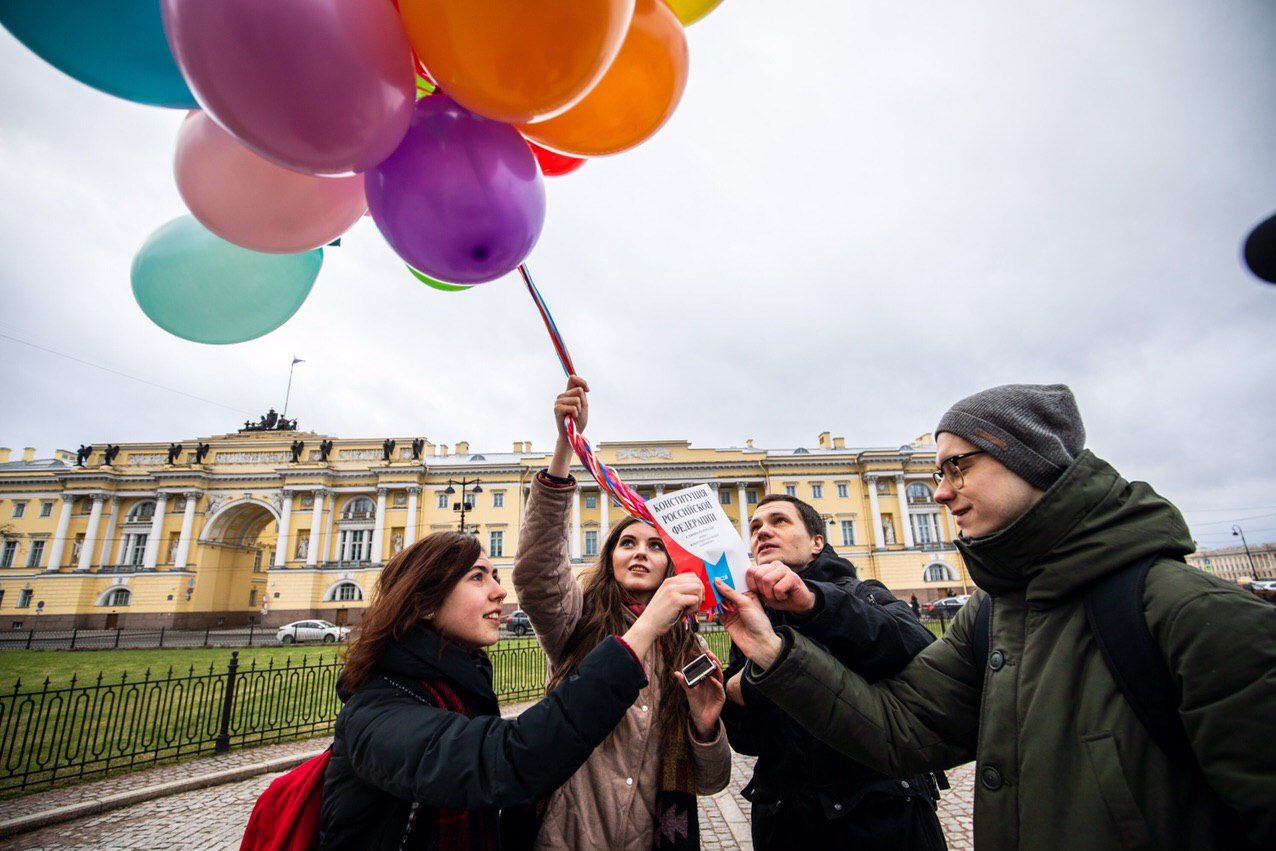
213, 819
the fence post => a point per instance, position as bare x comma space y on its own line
206, 636
223, 737
30, 635
250, 635
161, 637
74, 632
117, 636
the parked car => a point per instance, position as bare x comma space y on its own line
519, 623
312, 631
947, 607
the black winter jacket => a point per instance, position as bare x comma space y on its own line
801, 784
390, 749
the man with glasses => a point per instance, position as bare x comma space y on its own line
1113, 696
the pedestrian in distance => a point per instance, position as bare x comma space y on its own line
638, 790
1113, 696
421, 757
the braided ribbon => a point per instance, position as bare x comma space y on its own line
607, 478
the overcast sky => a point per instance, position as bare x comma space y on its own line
860, 213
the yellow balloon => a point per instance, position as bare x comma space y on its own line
690, 11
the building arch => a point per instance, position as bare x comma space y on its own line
919, 492
116, 595
141, 512
359, 508
938, 571
344, 591
239, 522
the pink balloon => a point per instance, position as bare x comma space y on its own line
254, 203
317, 86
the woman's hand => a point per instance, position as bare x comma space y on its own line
747, 624
706, 699
573, 401
676, 596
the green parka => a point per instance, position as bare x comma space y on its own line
1063, 762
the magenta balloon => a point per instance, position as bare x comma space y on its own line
254, 203
462, 198
317, 86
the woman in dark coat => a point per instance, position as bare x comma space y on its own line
421, 757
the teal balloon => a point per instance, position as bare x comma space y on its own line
115, 46
197, 286
437, 284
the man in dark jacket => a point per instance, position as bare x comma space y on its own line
1064, 760
804, 794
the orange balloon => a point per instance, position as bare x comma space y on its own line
516, 60
634, 98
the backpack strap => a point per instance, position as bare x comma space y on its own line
980, 637
1114, 609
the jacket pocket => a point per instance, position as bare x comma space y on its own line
1105, 762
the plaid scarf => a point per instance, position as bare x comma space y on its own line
452, 830
677, 820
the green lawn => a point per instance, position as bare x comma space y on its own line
58, 665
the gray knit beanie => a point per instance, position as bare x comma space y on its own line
1033, 429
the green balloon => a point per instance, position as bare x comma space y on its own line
437, 284
200, 287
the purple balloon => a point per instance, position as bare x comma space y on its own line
462, 198
316, 86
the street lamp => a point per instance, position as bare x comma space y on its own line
1236, 530
463, 505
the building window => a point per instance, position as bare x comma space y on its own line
918, 492
591, 500
346, 592
925, 528
46, 509
359, 508
37, 554
751, 497
724, 496
496, 544
257, 561
135, 549
252, 597
817, 491
141, 512
591, 542
442, 503
939, 572
9, 553
353, 545
843, 490
118, 597
790, 490
848, 533
19, 509
1, 596
498, 499
24, 598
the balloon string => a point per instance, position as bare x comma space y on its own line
629, 499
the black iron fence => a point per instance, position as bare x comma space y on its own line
82, 730
108, 639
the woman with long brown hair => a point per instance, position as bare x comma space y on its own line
421, 757
637, 791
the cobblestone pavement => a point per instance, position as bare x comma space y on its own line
213, 819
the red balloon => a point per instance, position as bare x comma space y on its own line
554, 164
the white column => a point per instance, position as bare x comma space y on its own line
409, 534
904, 522
878, 538
151, 557
573, 543
59, 537
604, 519
378, 531
90, 534
316, 518
112, 517
660, 490
183, 554
742, 497
285, 524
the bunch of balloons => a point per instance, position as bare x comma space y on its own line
437, 117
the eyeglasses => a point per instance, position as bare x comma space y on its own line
949, 470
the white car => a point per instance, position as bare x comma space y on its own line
323, 631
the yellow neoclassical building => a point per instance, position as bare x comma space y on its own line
271, 524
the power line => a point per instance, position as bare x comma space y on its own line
1233, 520
123, 374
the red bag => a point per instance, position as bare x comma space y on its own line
286, 815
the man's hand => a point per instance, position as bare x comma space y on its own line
735, 693
780, 588
747, 624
